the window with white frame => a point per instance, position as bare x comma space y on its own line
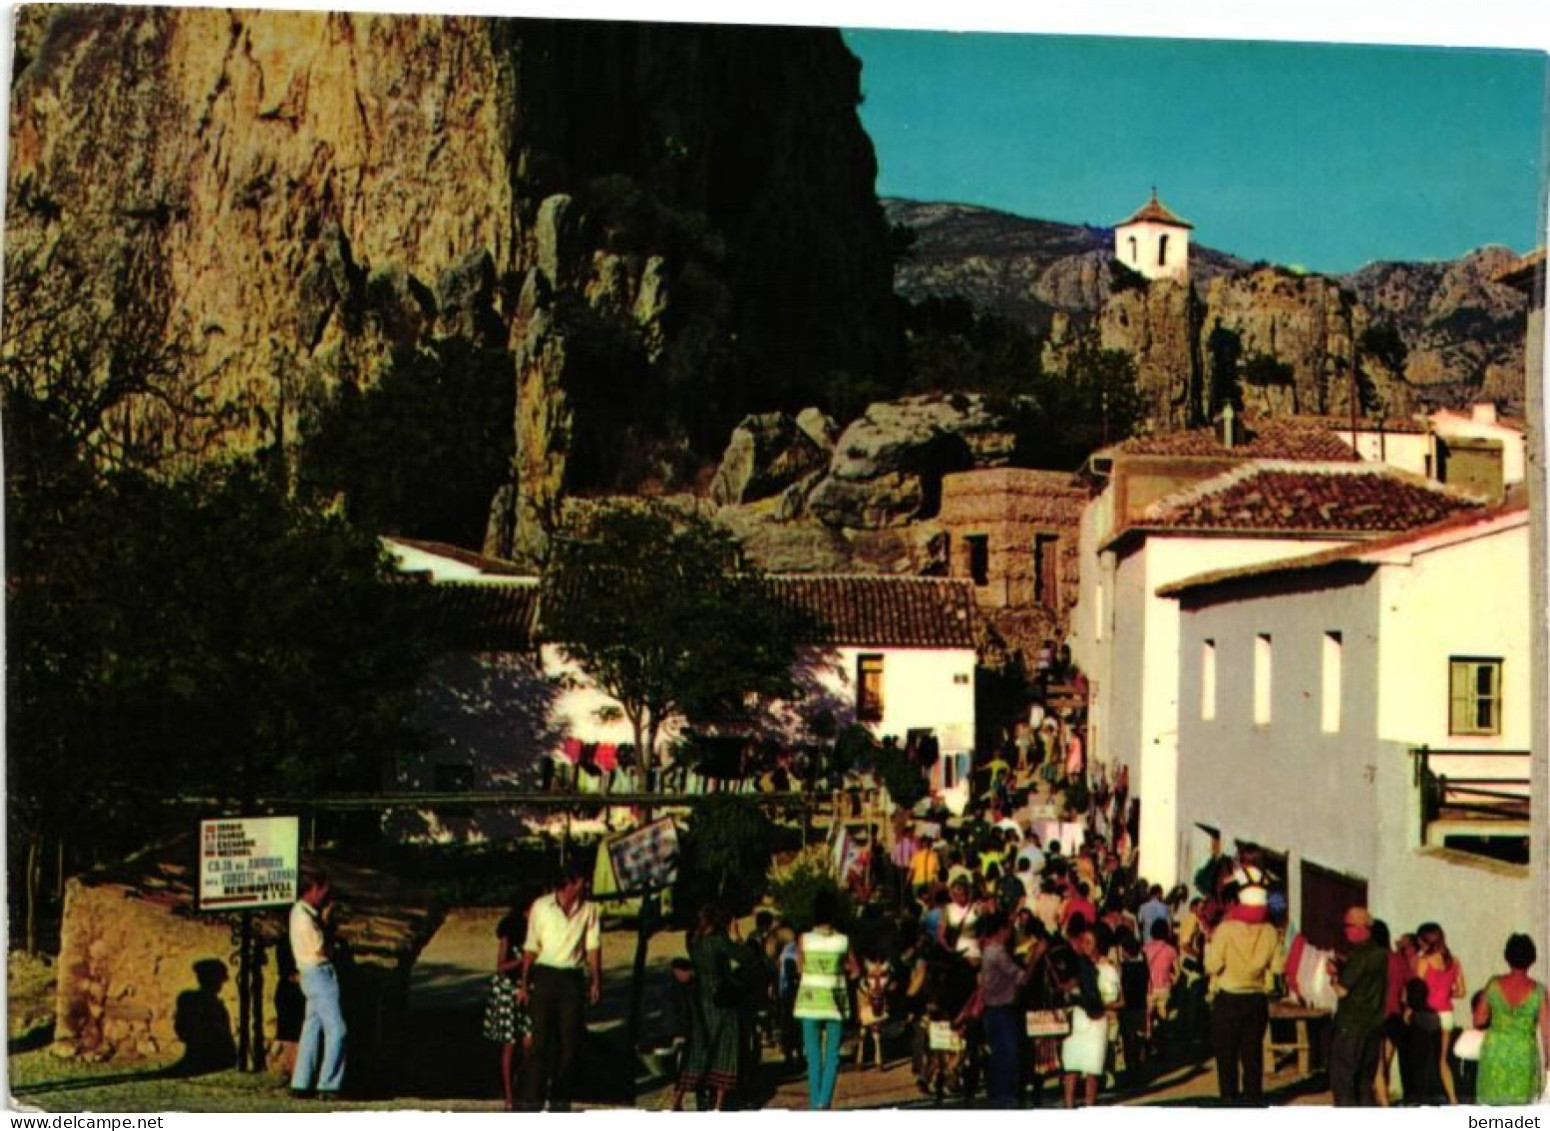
1474, 695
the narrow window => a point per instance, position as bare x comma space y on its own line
979, 558
1134, 253
1208, 679
1330, 682
1262, 679
1162, 251
1046, 570
1098, 613
1474, 695
869, 688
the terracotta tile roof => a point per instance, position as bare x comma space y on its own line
885, 611
881, 611
1364, 424
484, 617
1285, 497
1457, 526
1280, 437
1155, 211
497, 567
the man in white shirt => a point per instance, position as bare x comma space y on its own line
562, 970
320, 1057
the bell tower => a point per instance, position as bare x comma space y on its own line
1154, 242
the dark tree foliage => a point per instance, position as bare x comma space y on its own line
724, 855
423, 451
1225, 349
953, 348
1263, 371
662, 610
203, 637
1090, 403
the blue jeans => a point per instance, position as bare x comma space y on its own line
821, 1043
1002, 1033
322, 1032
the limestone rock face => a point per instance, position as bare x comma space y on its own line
768, 452
888, 464
309, 193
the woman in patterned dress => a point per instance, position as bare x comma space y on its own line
712, 1060
505, 1021
1512, 1008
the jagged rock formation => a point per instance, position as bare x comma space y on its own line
664, 227
1463, 332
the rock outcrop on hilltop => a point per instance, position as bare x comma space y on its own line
662, 228
1461, 331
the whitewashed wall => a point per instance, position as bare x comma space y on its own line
1141, 713
1347, 800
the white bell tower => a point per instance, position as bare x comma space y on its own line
1154, 242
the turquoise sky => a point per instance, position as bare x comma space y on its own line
1324, 155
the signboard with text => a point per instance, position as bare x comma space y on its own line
247, 862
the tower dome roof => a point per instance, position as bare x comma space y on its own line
1155, 211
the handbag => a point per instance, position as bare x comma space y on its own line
1048, 1022
1468, 1044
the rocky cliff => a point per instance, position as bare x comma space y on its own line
661, 228
1461, 332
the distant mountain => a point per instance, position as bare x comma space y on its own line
1463, 332
1020, 269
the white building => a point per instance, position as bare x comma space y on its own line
1474, 451
897, 654
1178, 506
1306, 689
1154, 242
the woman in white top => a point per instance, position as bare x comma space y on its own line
824, 961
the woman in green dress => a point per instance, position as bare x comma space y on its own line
1510, 1011
712, 1060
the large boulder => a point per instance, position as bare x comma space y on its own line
888, 464
768, 452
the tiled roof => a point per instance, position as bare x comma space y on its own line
1155, 211
483, 617
880, 611
1288, 497
885, 611
1458, 525
1400, 424
1279, 437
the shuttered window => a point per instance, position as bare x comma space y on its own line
1474, 695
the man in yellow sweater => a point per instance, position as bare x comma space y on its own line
1239, 952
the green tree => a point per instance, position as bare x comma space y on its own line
207, 636
1089, 401
663, 612
422, 452
1225, 348
724, 854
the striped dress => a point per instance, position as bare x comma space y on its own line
822, 994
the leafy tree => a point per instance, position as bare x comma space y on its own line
206, 636
953, 348
1225, 348
422, 452
662, 611
1091, 401
724, 854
